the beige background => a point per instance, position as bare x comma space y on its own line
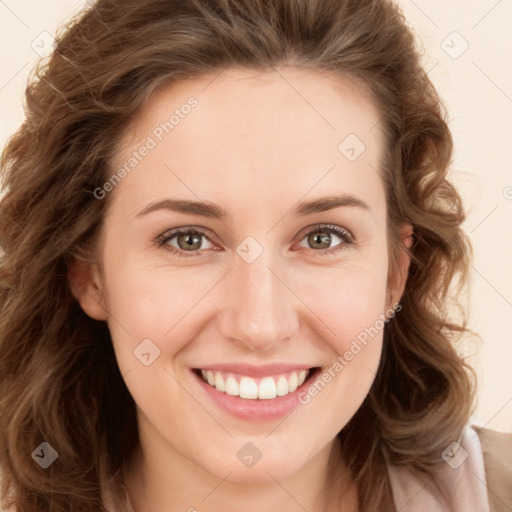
476, 84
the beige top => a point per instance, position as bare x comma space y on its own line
475, 477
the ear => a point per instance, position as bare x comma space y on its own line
86, 285
399, 270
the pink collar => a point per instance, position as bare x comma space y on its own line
459, 484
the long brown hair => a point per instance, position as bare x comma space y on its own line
59, 381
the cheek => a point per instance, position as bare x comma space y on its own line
357, 310
345, 301
353, 307
161, 304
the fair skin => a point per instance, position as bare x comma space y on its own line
255, 147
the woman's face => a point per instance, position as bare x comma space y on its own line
260, 295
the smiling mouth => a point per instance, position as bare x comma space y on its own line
265, 388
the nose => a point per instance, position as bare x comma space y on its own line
260, 311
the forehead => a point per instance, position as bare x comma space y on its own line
287, 130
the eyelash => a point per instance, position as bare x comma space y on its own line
162, 240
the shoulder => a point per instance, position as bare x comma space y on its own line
457, 484
497, 454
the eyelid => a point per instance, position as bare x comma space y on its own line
191, 229
347, 238
318, 227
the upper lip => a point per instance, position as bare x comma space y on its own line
255, 371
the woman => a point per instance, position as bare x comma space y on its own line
176, 332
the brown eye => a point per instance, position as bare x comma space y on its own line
189, 241
184, 241
322, 237
319, 241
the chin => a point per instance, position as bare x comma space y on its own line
262, 473
264, 470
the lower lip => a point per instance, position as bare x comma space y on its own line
256, 409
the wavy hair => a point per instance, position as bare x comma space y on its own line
59, 380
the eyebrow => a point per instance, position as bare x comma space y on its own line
208, 209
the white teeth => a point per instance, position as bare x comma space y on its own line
219, 382
267, 388
232, 387
248, 388
282, 387
293, 382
